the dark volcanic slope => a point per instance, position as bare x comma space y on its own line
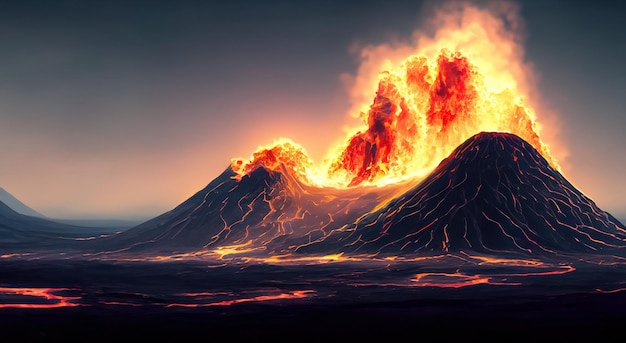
264, 209
494, 194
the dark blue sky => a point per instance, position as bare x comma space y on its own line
125, 108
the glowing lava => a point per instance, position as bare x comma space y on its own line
297, 294
467, 78
450, 280
34, 296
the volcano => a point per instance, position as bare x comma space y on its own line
495, 194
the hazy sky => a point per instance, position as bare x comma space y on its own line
126, 108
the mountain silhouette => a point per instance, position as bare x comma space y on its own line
494, 194
18, 206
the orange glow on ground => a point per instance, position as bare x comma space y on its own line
52, 299
119, 303
564, 269
459, 279
504, 261
298, 294
238, 249
450, 280
13, 255
290, 259
617, 290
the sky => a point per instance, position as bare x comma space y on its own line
124, 109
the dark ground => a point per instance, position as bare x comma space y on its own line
363, 300
598, 316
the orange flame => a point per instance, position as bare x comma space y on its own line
282, 152
429, 97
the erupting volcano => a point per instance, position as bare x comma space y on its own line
421, 106
418, 115
449, 159
495, 195
441, 208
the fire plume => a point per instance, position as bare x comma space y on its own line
429, 96
283, 152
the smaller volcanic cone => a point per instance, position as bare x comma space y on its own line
494, 194
225, 210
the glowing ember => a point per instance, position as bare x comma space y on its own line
467, 78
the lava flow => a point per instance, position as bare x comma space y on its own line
297, 294
465, 80
37, 298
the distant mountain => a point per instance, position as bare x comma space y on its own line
17, 205
19, 231
92, 225
494, 194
